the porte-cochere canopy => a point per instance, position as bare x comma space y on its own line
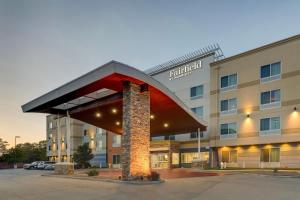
97, 98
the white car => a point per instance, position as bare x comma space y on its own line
43, 164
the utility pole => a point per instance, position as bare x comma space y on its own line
15, 165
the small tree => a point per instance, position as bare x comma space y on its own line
83, 155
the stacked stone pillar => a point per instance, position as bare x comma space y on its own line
135, 157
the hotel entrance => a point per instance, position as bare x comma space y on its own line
160, 161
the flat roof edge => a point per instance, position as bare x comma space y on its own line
261, 48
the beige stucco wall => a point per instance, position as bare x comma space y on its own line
248, 93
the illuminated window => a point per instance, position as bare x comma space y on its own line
175, 158
196, 92
116, 141
229, 156
270, 155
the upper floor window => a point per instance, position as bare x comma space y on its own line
270, 72
170, 137
270, 99
228, 130
194, 135
228, 106
198, 111
196, 92
269, 125
50, 125
228, 82
116, 142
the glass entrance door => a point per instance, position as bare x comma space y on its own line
159, 161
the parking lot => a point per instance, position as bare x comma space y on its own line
30, 185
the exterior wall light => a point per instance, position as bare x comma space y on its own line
248, 115
295, 108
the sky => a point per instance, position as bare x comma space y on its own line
46, 43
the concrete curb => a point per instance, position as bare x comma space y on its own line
105, 180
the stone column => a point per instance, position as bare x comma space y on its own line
135, 156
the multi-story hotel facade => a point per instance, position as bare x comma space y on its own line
250, 102
255, 99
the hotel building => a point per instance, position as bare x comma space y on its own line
255, 99
249, 101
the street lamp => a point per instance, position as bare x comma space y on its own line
15, 165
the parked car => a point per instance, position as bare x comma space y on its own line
43, 164
32, 165
50, 166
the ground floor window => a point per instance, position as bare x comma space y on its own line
229, 156
270, 155
190, 156
116, 159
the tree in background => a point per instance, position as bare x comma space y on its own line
83, 155
25, 153
3, 145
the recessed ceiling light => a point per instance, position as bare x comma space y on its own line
114, 110
98, 114
151, 116
118, 123
166, 125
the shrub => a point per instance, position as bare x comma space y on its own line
93, 172
153, 176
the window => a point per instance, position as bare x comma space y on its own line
196, 92
229, 156
270, 96
270, 99
195, 135
116, 159
175, 158
116, 141
228, 128
170, 137
229, 81
270, 124
50, 125
270, 72
198, 111
270, 155
228, 106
